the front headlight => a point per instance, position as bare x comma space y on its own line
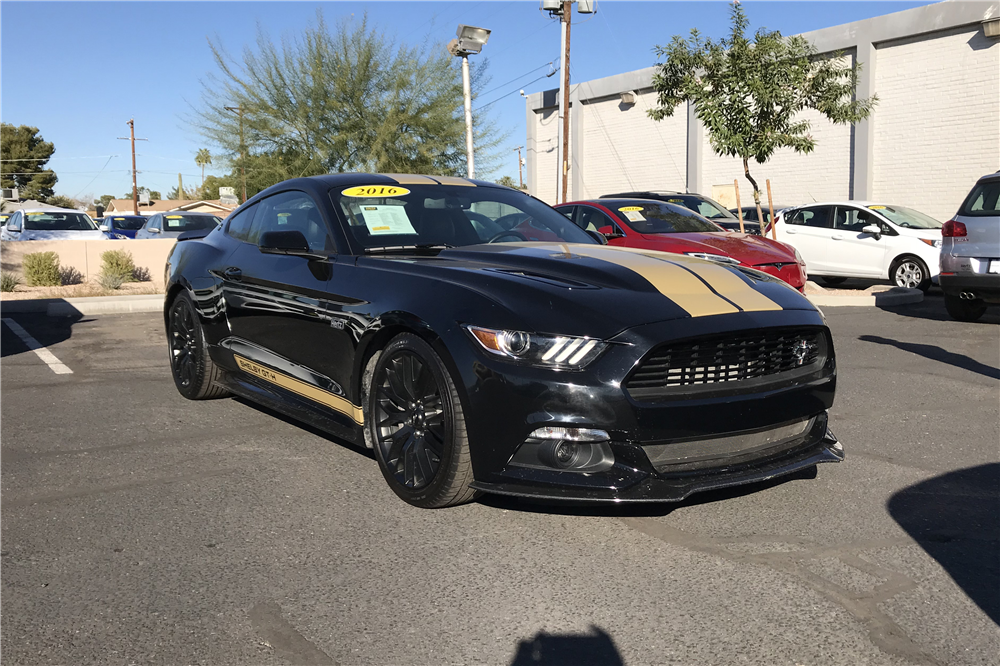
798, 257
931, 242
549, 351
121, 236
720, 258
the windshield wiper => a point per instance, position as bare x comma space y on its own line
403, 248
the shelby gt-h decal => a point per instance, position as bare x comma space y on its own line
479, 341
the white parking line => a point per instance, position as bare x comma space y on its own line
47, 357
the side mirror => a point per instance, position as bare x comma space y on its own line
153, 230
598, 236
609, 233
872, 229
105, 228
287, 242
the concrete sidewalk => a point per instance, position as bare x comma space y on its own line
93, 305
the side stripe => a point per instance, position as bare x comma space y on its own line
334, 402
671, 280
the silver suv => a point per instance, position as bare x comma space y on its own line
970, 252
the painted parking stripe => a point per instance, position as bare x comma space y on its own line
41, 352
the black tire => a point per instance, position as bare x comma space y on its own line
964, 310
832, 281
415, 421
195, 373
910, 272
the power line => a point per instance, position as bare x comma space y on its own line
94, 178
34, 159
503, 85
518, 89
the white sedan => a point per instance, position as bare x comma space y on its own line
857, 239
50, 224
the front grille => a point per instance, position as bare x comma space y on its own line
732, 360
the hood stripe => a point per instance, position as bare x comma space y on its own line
701, 288
682, 287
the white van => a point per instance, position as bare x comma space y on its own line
859, 239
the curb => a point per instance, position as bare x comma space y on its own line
894, 296
94, 305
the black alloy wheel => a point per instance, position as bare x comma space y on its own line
417, 426
194, 372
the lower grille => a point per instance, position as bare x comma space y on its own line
729, 361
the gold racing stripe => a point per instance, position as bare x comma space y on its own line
411, 179
732, 287
334, 402
677, 284
452, 180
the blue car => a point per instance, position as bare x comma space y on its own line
121, 227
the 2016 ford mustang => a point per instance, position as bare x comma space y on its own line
479, 341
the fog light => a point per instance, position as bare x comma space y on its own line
561, 454
565, 449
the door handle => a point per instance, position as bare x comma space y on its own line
837, 237
232, 273
790, 231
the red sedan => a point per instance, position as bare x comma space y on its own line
655, 225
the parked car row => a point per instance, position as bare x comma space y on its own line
65, 224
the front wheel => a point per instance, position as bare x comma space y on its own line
911, 273
195, 373
417, 426
963, 310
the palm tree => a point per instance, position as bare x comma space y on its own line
202, 158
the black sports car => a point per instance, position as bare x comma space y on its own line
479, 341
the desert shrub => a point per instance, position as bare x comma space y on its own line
9, 281
118, 262
110, 281
70, 275
41, 269
141, 274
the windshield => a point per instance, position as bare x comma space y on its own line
57, 221
130, 223
907, 217
189, 222
649, 217
387, 216
704, 207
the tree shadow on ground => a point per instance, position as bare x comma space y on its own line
955, 518
47, 331
595, 648
637, 509
936, 353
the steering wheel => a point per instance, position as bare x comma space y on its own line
509, 232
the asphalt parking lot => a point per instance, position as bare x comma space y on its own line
140, 528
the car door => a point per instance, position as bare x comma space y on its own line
281, 312
13, 229
809, 230
855, 253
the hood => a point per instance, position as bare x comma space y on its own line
596, 288
933, 234
749, 250
33, 234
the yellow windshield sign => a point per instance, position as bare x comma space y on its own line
629, 209
174, 217
375, 191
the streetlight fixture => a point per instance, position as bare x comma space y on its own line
470, 41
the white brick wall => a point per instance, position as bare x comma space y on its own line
937, 124
546, 155
624, 149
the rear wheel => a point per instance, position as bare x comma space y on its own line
963, 310
911, 273
417, 426
194, 372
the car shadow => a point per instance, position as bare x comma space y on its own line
955, 518
932, 309
636, 509
47, 331
936, 353
595, 648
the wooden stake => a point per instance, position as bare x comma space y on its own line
770, 203
739, 209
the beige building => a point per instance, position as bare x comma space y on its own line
124, 206
936, 128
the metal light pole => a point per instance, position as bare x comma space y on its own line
470, 40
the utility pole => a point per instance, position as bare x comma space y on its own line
567, 14
180, 187
135, 189
243, 171
520, 163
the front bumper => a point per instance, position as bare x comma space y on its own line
506, 403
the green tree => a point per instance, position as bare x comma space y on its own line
749, 93
203, 158
342, 100
105, 199
61, 201
210, 189
507, 181
23, 156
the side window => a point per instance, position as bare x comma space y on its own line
569, 211
292, 211
238, 225
591, 219
811, 217
849, 219
14, 224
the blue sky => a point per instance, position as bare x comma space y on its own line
96, 64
